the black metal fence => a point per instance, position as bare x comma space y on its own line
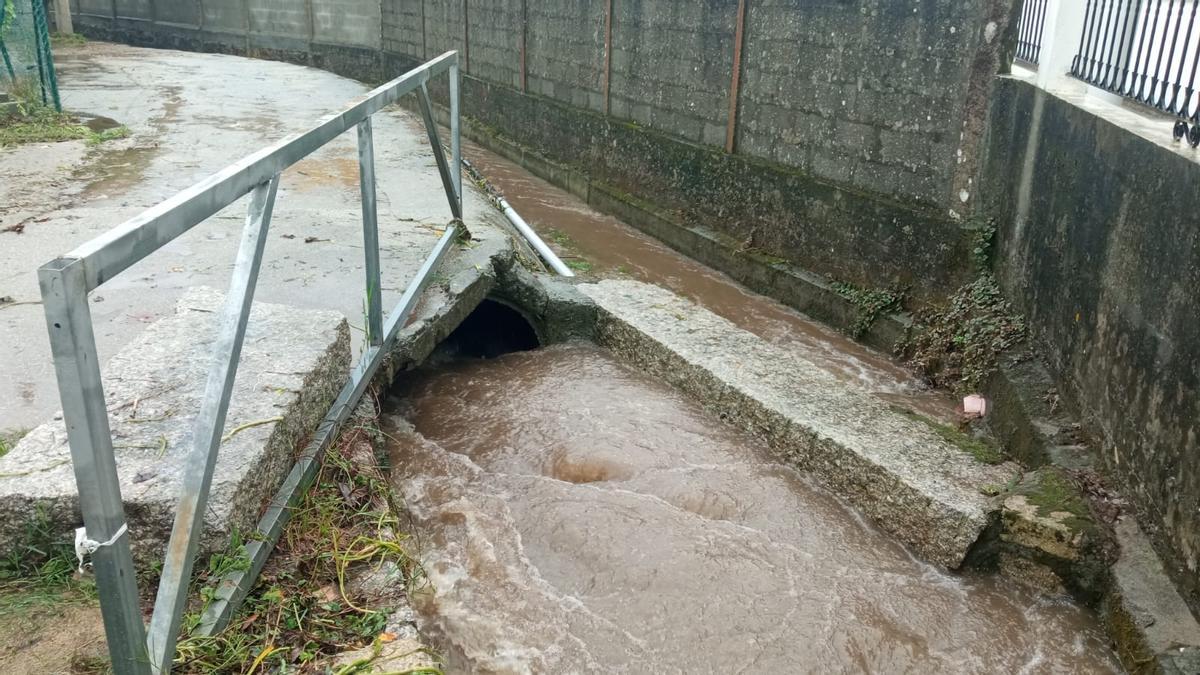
1029, 31
1147, 50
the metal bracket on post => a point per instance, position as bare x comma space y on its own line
210, 424
85, 413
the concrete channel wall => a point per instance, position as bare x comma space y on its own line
1099, 247
849, 149
852, 127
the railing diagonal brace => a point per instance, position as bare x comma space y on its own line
438, 152
210, 424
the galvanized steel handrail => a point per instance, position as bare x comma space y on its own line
65, 283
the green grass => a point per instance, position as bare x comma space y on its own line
41, 570
561, 238
10, 438
115, 133
302, 610
41, 125
35, 122
579, 264
72, 40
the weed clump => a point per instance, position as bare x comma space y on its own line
958, 346
32, 121
871, 304
302, 609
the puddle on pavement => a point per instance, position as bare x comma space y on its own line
575, 515
98, 123
612, 247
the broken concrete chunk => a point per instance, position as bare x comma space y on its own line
293, 364
924, 490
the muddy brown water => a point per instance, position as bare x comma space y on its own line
574, 515
614, 248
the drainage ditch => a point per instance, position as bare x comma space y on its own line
575, 514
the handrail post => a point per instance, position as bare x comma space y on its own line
370, 218
85, 414
439, 155
456, 134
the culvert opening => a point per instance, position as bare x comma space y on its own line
492, 329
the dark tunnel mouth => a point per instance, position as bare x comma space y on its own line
492, 329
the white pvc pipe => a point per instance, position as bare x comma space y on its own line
534, 240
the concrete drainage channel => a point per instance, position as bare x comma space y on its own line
794, 433
652, 455
909, 481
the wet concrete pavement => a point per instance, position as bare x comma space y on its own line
191, 115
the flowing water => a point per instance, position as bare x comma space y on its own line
574, 515
614, 248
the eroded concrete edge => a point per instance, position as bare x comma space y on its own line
1143, 612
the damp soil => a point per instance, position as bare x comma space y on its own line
609, 247
574, 515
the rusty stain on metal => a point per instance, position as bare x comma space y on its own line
735, 84
177, 547
608, 18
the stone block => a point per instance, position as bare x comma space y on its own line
293, 363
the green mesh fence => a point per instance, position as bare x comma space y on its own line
26, 63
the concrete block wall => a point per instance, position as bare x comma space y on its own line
495, 40
312, 31
444, 27
861, 111
672, 65
870, 94
565, 51
402, 27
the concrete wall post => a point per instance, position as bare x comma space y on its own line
62, 17
1060, 42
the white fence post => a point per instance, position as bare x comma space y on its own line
1060, 43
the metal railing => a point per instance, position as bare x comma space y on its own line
65, 283
1147, 50
1030, 29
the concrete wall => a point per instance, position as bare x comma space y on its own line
854, 124
1100, 248
851, 154
340, 35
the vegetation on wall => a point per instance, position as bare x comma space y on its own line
870, 302
958, 346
